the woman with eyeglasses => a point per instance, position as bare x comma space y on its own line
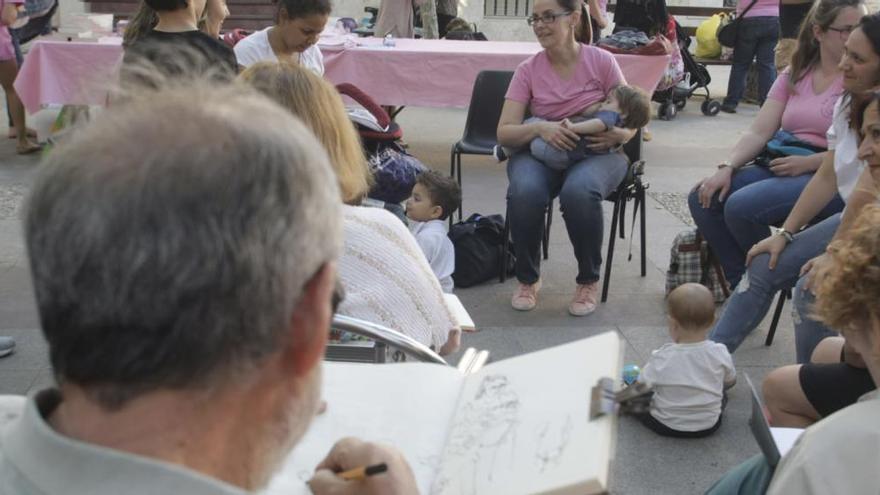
567, 79
788, 257
734, 207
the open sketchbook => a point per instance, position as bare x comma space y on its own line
460, 316
517, 426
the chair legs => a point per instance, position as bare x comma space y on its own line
455, 173
643, 222
617, 222
452, 174
609, 258
780, 303
546, 239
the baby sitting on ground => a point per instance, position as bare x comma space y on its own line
433, 199
689, 376
626, 106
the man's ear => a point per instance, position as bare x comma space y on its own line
310, 322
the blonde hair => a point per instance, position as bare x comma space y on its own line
692, 307
320, 107
847, 295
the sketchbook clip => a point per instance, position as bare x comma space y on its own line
604, 400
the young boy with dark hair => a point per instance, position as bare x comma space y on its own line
434, 198
689, 376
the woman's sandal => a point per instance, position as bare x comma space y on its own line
31, 133
31, 147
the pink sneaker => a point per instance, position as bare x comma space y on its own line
585, 298
526, 296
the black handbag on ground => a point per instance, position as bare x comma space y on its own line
727, 32
479, 243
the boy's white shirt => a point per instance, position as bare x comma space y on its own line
438, 249
688, 382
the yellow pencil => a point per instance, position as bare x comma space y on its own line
362, 472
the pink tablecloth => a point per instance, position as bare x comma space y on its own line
67, 73
441, 73
428, 73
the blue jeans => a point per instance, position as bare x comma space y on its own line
756, 40
753, 296
752, 477
807, 331
756, 200
581, 189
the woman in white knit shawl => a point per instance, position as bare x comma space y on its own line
386, 277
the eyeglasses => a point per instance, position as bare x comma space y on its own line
842, 31
546, 17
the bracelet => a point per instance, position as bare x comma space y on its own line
789, 237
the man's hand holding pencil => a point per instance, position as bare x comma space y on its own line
357, 467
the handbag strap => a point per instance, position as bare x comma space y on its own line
747, 9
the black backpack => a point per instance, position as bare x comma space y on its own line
479, 243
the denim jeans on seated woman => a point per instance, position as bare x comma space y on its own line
756, 200
807, 331
751, 300
581, 189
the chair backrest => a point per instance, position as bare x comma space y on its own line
387, 336
487, 99
633, 148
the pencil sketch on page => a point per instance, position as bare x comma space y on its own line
551, 443
484, 436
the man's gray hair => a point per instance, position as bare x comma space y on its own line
171, 238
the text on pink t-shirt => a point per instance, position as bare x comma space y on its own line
762, 8
553, 98
806, 115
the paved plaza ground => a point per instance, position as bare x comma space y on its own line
681, 151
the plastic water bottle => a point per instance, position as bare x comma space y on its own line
389, 40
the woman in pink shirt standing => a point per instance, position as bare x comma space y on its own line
756, 38
8, 71
562, 81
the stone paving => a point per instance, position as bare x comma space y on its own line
681, 151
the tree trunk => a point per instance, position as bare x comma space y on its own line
429, 20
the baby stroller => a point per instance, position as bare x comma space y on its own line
696, 77
374, 125
394, 170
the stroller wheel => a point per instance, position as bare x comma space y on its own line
667, 111
710, 108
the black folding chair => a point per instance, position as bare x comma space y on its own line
632, 187
480, 129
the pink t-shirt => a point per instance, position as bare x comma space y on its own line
553, 98
7, 51
806, 115
762, 8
